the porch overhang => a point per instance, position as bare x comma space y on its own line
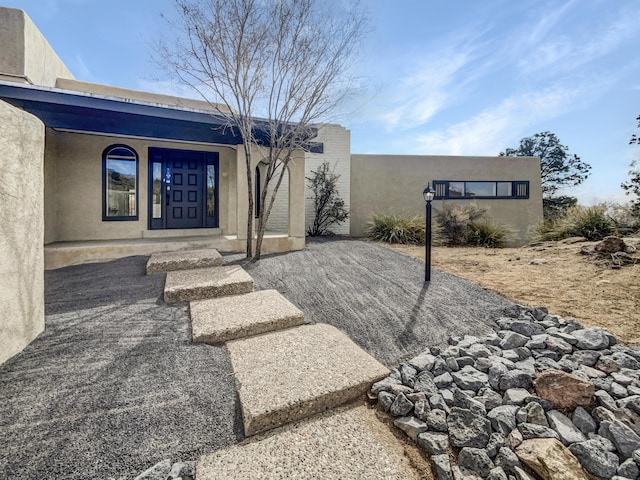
91, 113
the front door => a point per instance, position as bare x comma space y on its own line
183, 187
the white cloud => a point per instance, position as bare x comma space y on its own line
423, 92
486, 133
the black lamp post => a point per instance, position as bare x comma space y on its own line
428, 195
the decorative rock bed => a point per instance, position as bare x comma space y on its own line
542, 396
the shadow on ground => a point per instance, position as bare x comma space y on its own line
377, 296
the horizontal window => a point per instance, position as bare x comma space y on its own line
481, 189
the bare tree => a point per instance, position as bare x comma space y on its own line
284, 60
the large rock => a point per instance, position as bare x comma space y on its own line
610, 244
595, 459
584, 421
503, 418
567, 431
424, 383
625, 439
475, 459
550, 459
400, 406
468, 429
564, 390
411, 426
515, 379
532, 430
591, 339
434, 443
442, 466
468, 378
512, 340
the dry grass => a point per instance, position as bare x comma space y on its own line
568, 284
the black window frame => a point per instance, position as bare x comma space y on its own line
443, 186
120, 218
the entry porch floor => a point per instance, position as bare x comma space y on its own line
63, 254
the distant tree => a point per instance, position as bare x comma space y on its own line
558, 169
632, 186
286, 61
328, 207
554, 207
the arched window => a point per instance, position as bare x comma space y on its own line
119, 183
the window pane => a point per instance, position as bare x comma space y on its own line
480, 189
456, 189
121, 188
504, 189
211, 190
156, 206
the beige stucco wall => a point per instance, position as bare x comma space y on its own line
26, 56
394, 183
73, 187
21, 230
337, 151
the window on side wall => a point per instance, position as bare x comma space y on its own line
119, 183
465, 189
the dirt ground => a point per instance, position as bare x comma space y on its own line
568, 283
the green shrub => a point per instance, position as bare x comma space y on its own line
487, 234
593, 223
454, 222
397, 228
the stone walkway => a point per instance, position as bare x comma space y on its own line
285, 371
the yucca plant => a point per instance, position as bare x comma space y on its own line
397, 228
592, 223
454, 222
487, 234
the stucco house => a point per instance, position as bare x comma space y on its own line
94, 172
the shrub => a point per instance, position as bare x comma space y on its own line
593, 223
486, 234
624, 217
397, 228
454, 222
328, 207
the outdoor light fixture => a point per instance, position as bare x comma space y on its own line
428, 195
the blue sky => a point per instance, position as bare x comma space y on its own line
461, 77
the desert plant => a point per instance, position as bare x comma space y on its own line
625, 218
592, 223
487, 234
328, 207
454, 222
397, 228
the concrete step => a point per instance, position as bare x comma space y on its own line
219, 320
347, 443
292, 374
188, 285
183, 260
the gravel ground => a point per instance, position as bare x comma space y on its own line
376, 296
113, 385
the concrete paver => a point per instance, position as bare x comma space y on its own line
346, 443
188, 285
218, 320
292, 374
183, 260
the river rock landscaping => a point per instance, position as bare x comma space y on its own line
542, 397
